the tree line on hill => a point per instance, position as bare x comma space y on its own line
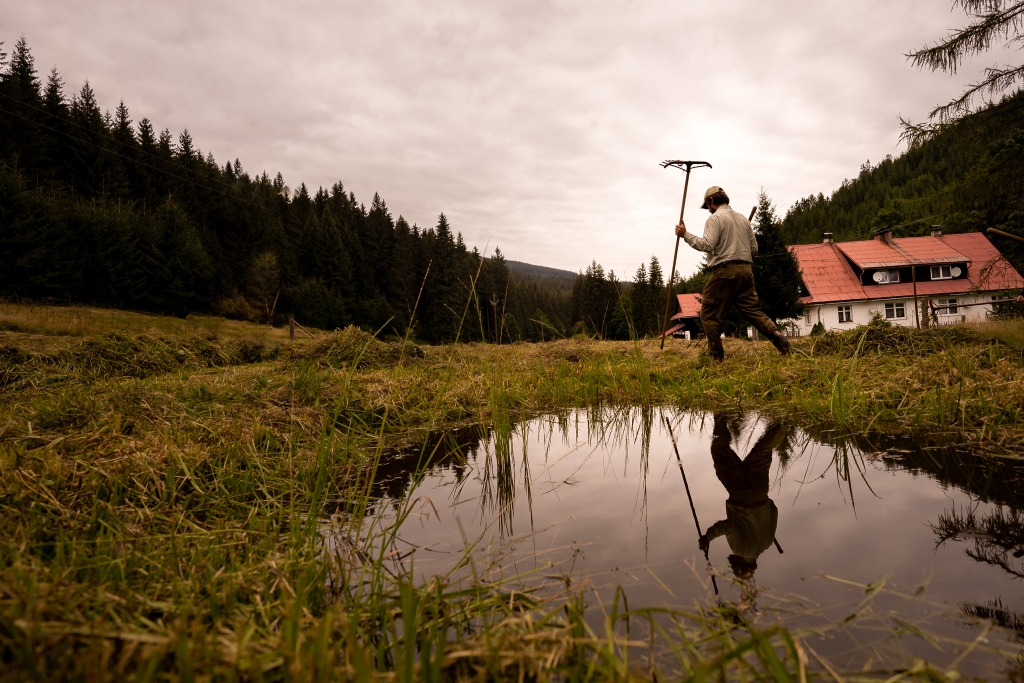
963, 170
964, 166
965, 175
96, 208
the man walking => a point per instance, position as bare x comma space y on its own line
751, 517
730, 244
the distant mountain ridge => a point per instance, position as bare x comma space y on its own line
531, 269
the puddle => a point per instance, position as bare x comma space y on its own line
796, 517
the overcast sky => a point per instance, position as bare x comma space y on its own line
535, 126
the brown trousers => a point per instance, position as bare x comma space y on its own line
746, 479
732, 283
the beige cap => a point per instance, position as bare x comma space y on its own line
710, 191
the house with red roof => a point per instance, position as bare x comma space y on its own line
847, 283
687, 320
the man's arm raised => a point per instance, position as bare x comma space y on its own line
710, 239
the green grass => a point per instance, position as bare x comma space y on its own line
184, 505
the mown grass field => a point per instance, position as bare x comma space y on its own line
164, 484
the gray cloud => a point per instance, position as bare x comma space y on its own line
535, 125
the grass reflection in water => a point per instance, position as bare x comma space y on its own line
585, 500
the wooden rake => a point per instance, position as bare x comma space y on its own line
686, 166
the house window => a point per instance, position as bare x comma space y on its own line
845, 314
950, 306
884, 276
941, 273
895, 311
807, 317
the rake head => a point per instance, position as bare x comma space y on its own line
684, 165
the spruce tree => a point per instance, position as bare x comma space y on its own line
656, 299
594, 298
143, 181
87, 144
441, 295
379, 239
621, 325
22, 96
493, 287
21, 81
56, 107
639, 308
775, 269
166, 144
186, 149
54, 101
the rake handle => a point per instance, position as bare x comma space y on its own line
675, 255
1000, 233
689, 497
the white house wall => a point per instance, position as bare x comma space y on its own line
862, 312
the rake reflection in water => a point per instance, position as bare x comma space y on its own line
587, 495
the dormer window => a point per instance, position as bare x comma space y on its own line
945, 272
886, 276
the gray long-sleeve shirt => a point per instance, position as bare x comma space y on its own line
727, 237
750, 531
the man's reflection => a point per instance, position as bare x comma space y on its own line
750, 515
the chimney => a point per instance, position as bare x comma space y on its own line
936, 231
826, 238
884, 235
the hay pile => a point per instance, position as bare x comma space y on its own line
569, 350
354, 347
883, 337
122, 355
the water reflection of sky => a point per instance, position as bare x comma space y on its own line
602, 493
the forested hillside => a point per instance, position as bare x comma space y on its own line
553, 279
97, 208
965, 176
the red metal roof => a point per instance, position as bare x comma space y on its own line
826, 274
672, 329
830, 276
689, 306
989, 270
904, 251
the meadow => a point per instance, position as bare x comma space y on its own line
165, 485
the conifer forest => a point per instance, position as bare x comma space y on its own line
964, 175
98, 208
